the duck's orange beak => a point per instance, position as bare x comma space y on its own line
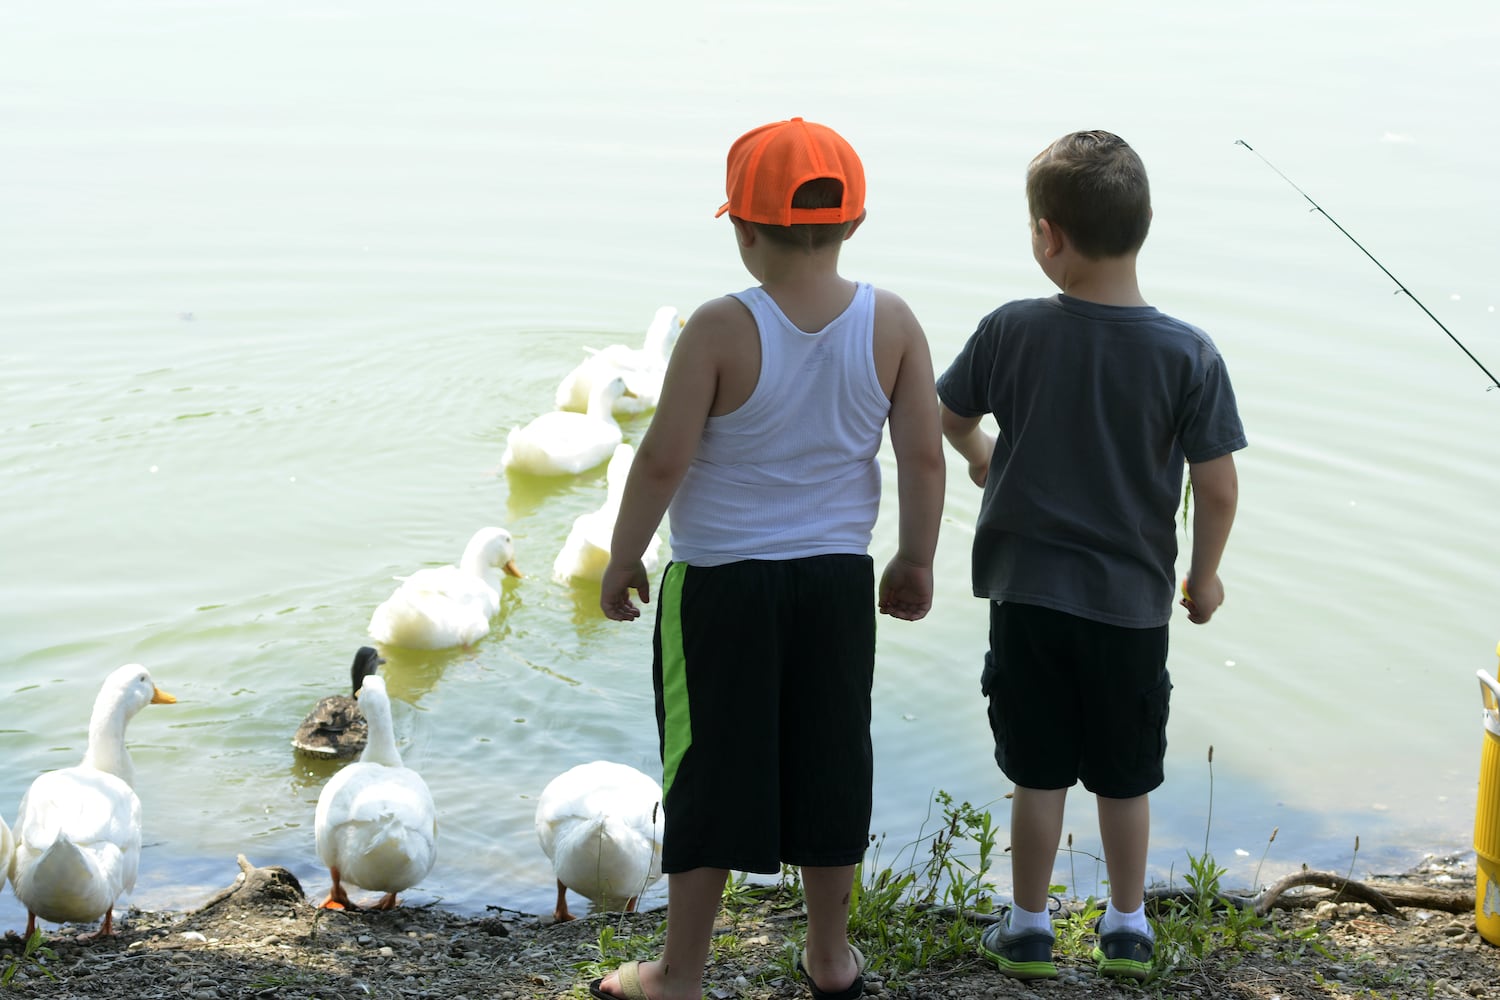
511, 570
160, 697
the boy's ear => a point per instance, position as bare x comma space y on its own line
856, 223
1050, 240
743, 231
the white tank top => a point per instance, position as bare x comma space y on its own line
794, 471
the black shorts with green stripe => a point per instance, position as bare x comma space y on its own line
762, 670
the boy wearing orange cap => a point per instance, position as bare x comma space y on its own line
1099, 399
764, 449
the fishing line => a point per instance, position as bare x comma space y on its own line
1494, 383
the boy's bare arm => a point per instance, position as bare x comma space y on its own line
661, 461
916, 438
1216, 491
973, 444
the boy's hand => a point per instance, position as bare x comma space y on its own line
1202, 598
905, 590
970, 440
979, 472
619, 579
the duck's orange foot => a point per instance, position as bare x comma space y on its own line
106, 929
337, 899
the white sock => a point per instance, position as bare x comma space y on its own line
1119, 920
1026, 920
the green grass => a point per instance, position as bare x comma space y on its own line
929, 903
33, 959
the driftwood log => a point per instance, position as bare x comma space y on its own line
257, 887
1387, 899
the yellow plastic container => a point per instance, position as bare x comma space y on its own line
1487, 816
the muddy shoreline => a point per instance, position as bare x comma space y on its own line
262, 937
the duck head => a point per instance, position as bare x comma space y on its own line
366, 662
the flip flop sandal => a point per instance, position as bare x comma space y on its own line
853, 991
630, 982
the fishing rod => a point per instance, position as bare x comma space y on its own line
1494, 383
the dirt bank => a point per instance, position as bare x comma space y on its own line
261, 937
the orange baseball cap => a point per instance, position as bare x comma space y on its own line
768, 164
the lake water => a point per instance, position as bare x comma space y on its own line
276, 279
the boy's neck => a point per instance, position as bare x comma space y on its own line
1107, 282
807, 287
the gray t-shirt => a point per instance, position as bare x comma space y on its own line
1098, 407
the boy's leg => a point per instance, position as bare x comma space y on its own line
714, 671
826, 755
1129, 672
1124, 831
692, 905
1028, 676
1036, 822
1021, 944
827, 959
1129, 694
1125, 938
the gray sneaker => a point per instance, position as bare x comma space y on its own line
1022, 955
1124, 954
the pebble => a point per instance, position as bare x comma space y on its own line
386, 951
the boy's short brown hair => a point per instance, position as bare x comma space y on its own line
1093, 187
823, 192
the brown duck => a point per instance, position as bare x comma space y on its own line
335, 729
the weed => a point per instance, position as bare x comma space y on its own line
614, 948
929, 905
1350, 873
1075, 929
1255, 883
1208, 824
34, 958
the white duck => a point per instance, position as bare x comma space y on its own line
335, 728
7, 851
446, 606
643, 368
601, 825
585, 553
376, 825
78, 833
562, 443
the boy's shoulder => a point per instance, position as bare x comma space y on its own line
896, 323
1063, 309
717, 310
890, 304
